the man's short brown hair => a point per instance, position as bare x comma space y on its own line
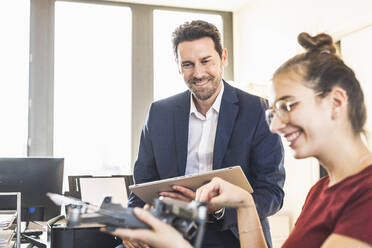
190, 31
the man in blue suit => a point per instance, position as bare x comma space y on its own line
211, 126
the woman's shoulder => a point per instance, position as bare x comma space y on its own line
361, 179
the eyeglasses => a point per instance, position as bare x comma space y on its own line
282, 108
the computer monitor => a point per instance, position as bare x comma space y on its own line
33, 177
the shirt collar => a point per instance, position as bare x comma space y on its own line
216, 105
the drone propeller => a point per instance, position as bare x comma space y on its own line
64, 200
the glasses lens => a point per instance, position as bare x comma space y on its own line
282, 110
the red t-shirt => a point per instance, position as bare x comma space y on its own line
344, 208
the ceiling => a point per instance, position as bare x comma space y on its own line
222, 5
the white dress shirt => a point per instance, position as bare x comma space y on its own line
202, 133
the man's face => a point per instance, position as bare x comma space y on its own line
201, 67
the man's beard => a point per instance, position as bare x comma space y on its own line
204, 94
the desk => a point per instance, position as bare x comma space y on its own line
83, 236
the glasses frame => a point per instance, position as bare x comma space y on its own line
282, 109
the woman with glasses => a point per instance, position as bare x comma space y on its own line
319, 109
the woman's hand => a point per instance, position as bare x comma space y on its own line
221, 192
162, 235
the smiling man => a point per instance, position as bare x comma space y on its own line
202, 68
210, 126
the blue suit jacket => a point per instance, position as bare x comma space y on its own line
242, 138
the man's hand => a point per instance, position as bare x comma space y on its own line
183, 193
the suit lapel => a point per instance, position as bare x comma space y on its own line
228, 112
181, 121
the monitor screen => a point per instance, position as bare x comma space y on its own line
33, 177
94, 189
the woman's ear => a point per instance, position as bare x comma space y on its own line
339, 101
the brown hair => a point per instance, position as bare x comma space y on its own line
322, 70
190, 31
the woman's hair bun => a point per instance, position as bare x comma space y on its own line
321, 43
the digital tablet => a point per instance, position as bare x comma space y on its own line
148, 191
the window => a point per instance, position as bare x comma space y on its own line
92, 117
14, 64
167, 80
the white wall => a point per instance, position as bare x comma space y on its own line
265, 32
357, 53
265, 35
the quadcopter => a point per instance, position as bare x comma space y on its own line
188, 218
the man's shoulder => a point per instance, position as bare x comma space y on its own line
172, 101
246, 99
